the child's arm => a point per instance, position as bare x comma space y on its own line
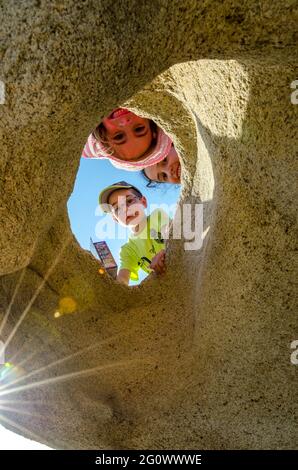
123, 276
158, 262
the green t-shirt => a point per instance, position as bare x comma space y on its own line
138, 252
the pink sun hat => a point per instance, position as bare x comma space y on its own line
95, 149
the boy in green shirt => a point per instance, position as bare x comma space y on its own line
145, 248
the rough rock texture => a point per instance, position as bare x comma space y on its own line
200, 359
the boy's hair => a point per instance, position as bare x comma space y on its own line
105, 194
137, 192
100, 134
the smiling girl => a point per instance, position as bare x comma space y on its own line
167, 170
129, 141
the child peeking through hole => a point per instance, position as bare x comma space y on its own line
129, 141
145, 248
167, 170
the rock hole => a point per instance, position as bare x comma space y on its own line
125, 196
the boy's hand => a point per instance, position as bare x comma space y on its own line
158, 262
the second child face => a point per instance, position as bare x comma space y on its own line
128, 135
127, 208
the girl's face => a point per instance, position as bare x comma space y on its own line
166, 171
127, 134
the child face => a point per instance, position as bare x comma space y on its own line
166, 171
128, 209
127, 134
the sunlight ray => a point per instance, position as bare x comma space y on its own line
12, 300
24, 412
13, 359
15, 365
38, 289
59, 361
22, 402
